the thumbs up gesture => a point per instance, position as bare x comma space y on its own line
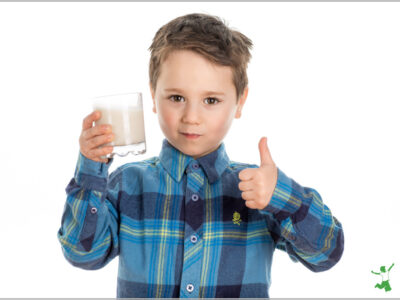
258, 184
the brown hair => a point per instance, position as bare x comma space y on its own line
208, 36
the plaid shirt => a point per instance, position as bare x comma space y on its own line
181, 228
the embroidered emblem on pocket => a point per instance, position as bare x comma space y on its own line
236, 218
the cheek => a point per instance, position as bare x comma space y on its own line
167, 116
223, 122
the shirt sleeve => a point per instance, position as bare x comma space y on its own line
304, 226
89, 227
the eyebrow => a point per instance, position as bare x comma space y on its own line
205, 92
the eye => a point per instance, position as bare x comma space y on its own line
213, 100
175, 98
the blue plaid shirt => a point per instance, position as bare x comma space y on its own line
181, 228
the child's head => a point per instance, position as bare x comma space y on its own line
198, 81
208, 36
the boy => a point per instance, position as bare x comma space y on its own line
192, 223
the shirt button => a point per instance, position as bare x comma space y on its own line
190, 287
193, 238
195, 197
195, 166
93, 210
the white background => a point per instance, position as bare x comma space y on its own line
324, 88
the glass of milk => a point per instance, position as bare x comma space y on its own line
124, 112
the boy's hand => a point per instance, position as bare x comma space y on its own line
258, 184
94, 136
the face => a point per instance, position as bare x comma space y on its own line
196, 102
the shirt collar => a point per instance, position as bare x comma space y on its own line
175, 162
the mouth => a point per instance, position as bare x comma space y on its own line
191, 135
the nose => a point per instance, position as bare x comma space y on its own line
191, 114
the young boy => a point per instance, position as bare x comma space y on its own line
192, 223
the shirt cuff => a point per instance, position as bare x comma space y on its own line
91, 174
283, 202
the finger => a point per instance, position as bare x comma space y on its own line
248, 196
97, 130
99, 140
101, 151
265, 155
251, 204
246, 185
247, 174
88, 120
87, 155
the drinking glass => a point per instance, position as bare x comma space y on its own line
125, 114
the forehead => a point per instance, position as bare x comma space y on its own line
184, 68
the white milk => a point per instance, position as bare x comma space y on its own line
127, 124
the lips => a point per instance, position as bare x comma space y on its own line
191, 135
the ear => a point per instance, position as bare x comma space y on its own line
241, 102
152, 96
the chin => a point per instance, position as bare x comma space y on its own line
190, 151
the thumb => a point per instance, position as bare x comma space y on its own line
265, 155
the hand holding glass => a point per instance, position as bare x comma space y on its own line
124, 112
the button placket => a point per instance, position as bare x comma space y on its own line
194, 214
